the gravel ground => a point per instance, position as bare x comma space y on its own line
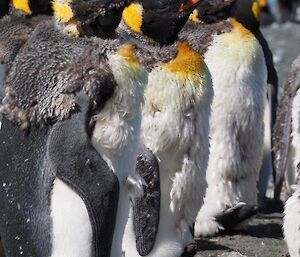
263, 238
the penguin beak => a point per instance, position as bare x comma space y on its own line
188, 5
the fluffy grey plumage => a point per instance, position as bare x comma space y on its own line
14, 33
49, 70
282, 127
200, 37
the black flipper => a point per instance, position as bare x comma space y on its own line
146, 209
233, 216
272, 74
78, 164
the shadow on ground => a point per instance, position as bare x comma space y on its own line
263, 238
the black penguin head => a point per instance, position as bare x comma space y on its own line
247, 12
92, 18
32, 7
4, 6
160, 20
210, 11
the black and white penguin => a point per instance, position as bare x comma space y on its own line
287, 129
237, 65
248, 13
66, 183
175, 125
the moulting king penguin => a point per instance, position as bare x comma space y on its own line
66, 183
237, 65
16, 28
175, 128
248, 13
288, 120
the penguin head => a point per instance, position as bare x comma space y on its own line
210, 11
91, 18
32, 7
4, 6
246, 12
159, 20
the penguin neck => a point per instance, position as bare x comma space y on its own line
136, 36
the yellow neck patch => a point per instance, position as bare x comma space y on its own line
62, 10
195, 17
128, 53
133, 17
256, 10
187, 63
22, 5
239, 29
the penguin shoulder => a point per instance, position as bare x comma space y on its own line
15, 31
56, 67
201, 35
150, 54
13, 35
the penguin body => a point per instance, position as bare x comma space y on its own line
251, 21
174, 127
287, 131
86, 93
236, 62
170, 129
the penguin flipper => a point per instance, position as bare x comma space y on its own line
73, 160
146, 209
235, 215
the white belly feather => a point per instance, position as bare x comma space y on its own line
72, 230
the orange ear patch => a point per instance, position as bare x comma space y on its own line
256, 10
62, 10
132, 16
22, 5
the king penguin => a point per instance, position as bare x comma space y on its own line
16, 28
70, 133
237, 65
248, 13
175, 125
288, 121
